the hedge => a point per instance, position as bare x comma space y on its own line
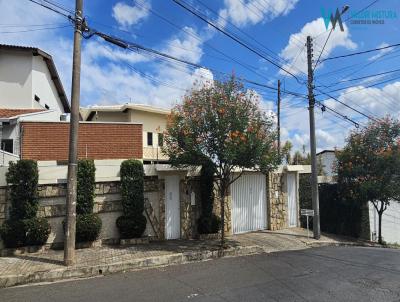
23, 227
88, 225
337, 215
133, 223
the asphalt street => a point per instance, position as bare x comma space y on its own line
319, 274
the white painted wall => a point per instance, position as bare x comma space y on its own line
43, 86
390, 223
15, 80
23, 75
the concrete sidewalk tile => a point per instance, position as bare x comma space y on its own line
47, 266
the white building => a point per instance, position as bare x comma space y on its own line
30, 90
327, 161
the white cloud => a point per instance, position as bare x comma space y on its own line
250, 12
127, 15
297, 62
381, 52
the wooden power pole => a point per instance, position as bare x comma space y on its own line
279, 117
69, 243
314, 171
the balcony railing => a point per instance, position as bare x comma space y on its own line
153, 153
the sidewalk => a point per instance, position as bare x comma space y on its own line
47, 266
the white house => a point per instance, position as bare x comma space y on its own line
30, 90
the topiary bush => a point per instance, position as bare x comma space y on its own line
88, 227
133, 223
13, 233
22, 179
86, 176
37, 231
23, 227
209, 225
131, 226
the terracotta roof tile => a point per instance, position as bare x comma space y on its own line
7, 113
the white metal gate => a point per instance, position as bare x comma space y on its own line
249, 205
172, 211
292, 199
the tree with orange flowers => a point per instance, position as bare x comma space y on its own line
221, 123
369, 166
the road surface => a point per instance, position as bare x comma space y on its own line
319, 274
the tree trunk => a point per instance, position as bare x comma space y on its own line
222, 202
380, 240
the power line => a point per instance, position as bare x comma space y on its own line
69, 16
361, 52
235, 39
348, 106
33, 29
365, 77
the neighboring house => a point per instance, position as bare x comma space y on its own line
154, 122
326, 160
48, 141
30, 89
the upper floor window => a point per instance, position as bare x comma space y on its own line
149, 138
160, 139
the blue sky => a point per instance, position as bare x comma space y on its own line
279, 28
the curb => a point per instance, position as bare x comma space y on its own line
136, 264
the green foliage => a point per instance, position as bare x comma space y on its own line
133, 223
23, 227
207, 222
12, 233
88, 227
338, 215
22, 177
131, 226
132, 187
224, 125
86, 186
37, 231
368, 166
32, 231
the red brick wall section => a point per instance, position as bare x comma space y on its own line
49, 141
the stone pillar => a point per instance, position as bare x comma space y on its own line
277, 201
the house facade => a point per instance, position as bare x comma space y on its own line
30, 89
153, 119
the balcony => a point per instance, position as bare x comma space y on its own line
153, 153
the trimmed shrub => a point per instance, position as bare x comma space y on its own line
131, 226
86, 186
133, 223
12, 233
338, 215
208, 223
22, 178
37, 231
88, 227
32, 231
23, 227
132, 187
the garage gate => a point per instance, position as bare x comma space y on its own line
249, 203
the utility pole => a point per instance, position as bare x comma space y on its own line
279, 117
69, 242
314, 174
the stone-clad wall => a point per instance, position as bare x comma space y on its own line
276, 201
107, 204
